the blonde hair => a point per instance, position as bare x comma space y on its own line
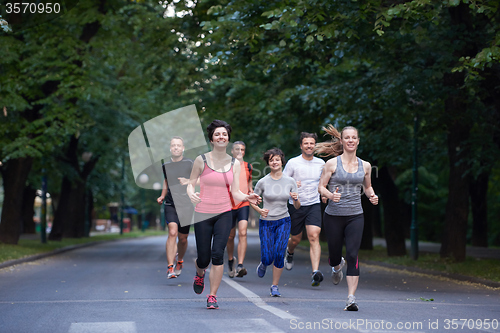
332, 147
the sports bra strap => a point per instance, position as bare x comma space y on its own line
205, 159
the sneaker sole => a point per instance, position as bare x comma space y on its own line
173, 276
352, 307
242, 272
211, 307
275, 295
340, 280
317, 279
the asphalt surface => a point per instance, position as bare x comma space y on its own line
122, 287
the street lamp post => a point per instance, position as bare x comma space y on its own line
157, 186
143, 179
414, 223
43, 216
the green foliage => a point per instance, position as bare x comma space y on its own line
29, 247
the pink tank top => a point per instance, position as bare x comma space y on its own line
214, 190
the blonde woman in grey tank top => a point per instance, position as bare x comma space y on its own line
347, 177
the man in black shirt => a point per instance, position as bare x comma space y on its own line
177, 205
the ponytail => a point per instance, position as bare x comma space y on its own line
334, 146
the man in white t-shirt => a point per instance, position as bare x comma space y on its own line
306, 170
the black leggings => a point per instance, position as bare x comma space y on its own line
209, 247
337, 229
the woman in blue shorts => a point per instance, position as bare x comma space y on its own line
274, 223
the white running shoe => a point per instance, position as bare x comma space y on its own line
338, 275
288, 260
351, 304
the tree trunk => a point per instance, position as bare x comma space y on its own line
28, 210
69, 219
74, 222
478, 190
458, 123
14, 173
457, 207
394, 224
61, 212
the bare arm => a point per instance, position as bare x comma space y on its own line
296, 201
235, 187
263, 212
163, 192
367, 184
328, 170
195, 174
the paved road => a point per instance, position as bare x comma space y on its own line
122, 287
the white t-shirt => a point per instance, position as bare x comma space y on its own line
308, 173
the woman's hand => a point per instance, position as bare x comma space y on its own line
183, 181
374, 199
294, 195
336, 195
160, 199
254, 198
195, 198
264, 212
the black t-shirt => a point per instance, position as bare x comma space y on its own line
174, 170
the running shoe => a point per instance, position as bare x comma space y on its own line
351, 304
231, 271
199, 283
261, 270
338, 275
275, 291
170, 272
288, 260
317, 277
241, 271
212, 302
178, 267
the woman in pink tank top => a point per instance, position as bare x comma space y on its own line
219, 176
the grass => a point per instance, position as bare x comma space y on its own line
488, 269
28, 247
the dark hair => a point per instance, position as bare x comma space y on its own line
274, 152
216, 124
333, 147
304, 135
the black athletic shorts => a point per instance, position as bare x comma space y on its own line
171, 217
305, 215
240, 214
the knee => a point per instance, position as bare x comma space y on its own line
296, 239
313, 238
242, 233
232, 234
172, 233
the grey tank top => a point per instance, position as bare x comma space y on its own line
350, 186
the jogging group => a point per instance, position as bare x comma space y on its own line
287, 200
